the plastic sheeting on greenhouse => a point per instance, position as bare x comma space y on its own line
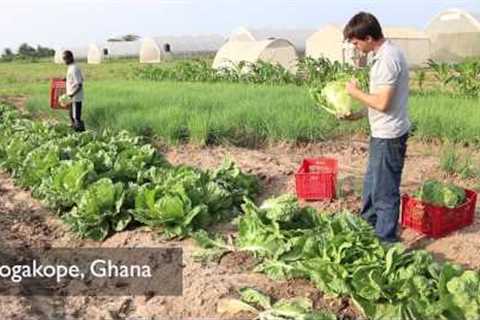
79, 54
297, 37
274, 51
113, 50
455, 35
328, 42
155, 50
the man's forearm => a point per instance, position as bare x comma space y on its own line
77, 90
374, 101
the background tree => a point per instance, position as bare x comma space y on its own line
25, 50
127, 38
7, 55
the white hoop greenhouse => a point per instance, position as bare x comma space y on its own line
455, 35
155, 50
113, 50
274, 51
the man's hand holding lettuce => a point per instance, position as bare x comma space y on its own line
333, 97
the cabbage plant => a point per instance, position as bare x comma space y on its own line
334, 98
64, 100
440, 194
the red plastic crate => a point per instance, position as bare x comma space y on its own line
437, 221
316, 179
57, 88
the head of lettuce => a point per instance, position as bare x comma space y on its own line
334, 98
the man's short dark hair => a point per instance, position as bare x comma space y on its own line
68, 55
361, 26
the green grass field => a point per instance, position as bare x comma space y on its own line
241, 114
204, 113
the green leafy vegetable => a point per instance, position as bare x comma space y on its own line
334, 98
99, 210
439, 194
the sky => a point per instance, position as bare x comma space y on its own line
56, 23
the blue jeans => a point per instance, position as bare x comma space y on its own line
381, 186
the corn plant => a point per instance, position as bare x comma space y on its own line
420, 79
268, 73
313, 70
462, 78
442, 72
154, 73
466, 78
309, 72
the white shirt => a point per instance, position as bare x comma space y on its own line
74, 79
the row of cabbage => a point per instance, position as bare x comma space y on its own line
341, 255
103, 182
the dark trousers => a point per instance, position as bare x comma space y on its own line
76, 116
381, 187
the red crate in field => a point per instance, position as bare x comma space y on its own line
57, 88
437, 221
316, 179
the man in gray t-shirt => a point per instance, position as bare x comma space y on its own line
386, 105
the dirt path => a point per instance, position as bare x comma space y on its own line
18, 101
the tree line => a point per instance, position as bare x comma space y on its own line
26, 52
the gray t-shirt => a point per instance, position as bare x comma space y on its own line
390, 69
74, 79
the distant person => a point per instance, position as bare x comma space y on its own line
74, 86
386, 106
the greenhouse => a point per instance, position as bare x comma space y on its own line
274, 51
155, 50
455, 35
113, 50
296, 36
328, 42
79, 53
